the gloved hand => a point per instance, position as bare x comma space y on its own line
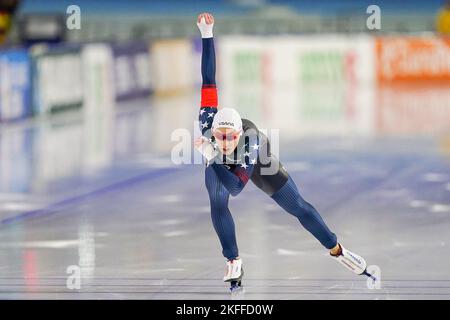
205, 23
205, 147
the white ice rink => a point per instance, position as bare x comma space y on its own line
106, 198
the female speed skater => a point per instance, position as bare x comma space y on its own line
236, 151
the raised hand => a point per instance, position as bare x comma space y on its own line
205, 23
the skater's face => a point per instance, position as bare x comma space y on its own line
227, 139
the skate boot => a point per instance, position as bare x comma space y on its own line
351, 261
233, 274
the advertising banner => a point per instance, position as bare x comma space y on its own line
290, 60
132, 71
57, 79
172, 62
14, 85
412, 59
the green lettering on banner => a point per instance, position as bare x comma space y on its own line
323, 65
247, 66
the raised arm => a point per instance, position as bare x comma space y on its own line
208, 104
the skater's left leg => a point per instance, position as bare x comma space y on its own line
290, 200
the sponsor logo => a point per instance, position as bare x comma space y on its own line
355, 258
226, 123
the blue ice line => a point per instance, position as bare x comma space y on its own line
76, 199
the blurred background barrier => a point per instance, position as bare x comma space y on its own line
15, 86
57, 79
132, 71
172, 63
412, 59
59, 73
284, 60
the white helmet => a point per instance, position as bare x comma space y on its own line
227, 118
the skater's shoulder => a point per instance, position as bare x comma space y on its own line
250, 129
248, 125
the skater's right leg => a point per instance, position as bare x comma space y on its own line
220, 214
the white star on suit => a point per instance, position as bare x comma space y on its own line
211, 114
202, 111
255, 146
253, 161
205, 124
247, 154
243, 165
